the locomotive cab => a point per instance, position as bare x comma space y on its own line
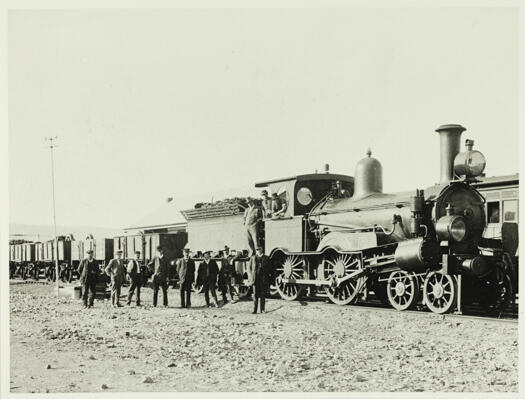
300, 194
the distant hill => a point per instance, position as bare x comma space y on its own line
45, 232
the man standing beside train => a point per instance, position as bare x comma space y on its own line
135, 277
186, 273
252, 216
207, 278
159, 268
88, 270
116, 272
226, 274
258, 277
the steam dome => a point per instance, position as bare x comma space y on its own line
368, 177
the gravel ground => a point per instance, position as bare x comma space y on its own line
56, 346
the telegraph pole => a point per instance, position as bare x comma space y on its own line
52, 144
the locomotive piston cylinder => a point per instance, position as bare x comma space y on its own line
416, 254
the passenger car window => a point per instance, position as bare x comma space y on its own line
510, 211
493, 212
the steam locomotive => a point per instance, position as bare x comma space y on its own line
343, 237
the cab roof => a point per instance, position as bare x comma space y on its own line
308, 177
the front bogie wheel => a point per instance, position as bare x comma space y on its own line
440, 292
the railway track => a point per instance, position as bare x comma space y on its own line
470, 312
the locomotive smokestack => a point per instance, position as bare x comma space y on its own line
450, 138
326, 168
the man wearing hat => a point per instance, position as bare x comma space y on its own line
259, 271
116, 272
88, 271
278, 206
135, 277
207, 278
226, 273
186, 272
266, 203
159, 268
252, 216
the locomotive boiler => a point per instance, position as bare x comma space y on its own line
423, 246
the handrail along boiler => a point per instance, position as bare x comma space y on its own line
421, 246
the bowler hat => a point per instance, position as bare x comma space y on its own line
89, 251
119, 251
137, 252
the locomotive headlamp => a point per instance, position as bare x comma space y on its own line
451, 227
470, 163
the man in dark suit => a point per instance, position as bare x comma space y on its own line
159, 268
135, 277
186, 272
226, 274
88, 270
259, 270
207, 278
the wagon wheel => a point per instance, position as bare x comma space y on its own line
243, 291
402, 289
498, 290
274, 291
440, 292
292, 266
338, 266
196, 288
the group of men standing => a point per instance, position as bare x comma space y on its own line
209, 277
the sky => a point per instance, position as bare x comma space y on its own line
150, 104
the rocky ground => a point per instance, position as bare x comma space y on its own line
56, 346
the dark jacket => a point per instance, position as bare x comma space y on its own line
159, 267
259, 270
227, 271
88, 269
186, 270
207, 274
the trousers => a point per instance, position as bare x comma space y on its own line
225, 288
115, 292
207, 290
253, 239
89, 288
185, 294
160, 283
259, 295
136, 282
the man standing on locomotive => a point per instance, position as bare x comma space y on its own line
278, 206
207, 278
186, 272
135, 277
266, 203
258, 276
88, 270
116, 272
159, 267
252, 216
